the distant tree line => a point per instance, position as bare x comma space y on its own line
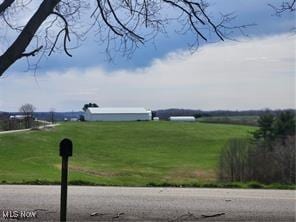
166, 113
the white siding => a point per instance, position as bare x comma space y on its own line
117, 114
182, 118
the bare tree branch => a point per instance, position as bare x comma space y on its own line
16, 50
121, 25
190, 14
133, 34
66, 35
4, 5
32, 53
286, 6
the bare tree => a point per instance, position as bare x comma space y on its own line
27, 110
52, 115
285, 6
122, 25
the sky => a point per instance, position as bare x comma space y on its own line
254, 72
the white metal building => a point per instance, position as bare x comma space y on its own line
182, 118
117, 114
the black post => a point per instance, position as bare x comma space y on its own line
65, 151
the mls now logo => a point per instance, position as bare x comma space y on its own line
15, 214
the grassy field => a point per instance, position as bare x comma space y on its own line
238, 120
131, 153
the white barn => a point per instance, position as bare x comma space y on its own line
117, 114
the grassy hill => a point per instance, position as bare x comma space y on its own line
129, 153
239, 120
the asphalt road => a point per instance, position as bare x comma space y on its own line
148, 204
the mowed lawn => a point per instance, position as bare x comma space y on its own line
119, 153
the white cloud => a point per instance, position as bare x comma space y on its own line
252, 74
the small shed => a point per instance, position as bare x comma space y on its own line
117, 114
182, 118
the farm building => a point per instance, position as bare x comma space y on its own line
19, 117
182, 118
117, 114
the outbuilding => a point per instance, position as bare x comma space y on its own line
117, 114
182, 118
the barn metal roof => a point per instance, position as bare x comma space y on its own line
117, 110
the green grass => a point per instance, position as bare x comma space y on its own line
239, 120
119, 153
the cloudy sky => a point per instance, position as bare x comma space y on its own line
254, 72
